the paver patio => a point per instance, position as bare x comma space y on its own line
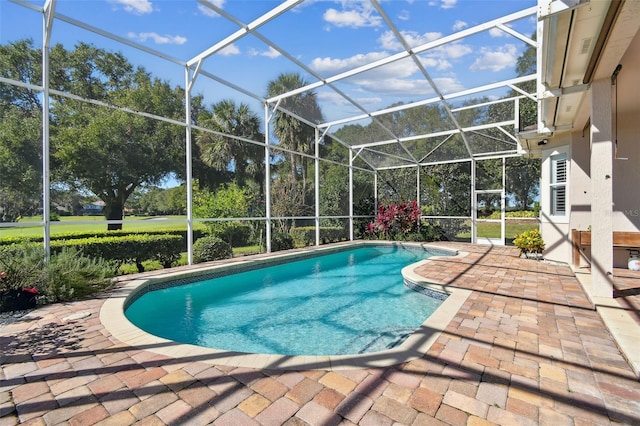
527, 347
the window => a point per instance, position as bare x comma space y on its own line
558, 184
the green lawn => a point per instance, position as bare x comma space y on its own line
88, 223
145, 223
492, 230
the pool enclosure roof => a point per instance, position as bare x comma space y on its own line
366, 62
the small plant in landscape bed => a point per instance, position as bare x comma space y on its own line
207, 249
70, 275
529, 242
66, 276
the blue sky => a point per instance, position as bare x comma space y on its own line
328, 37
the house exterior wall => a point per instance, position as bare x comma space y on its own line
625, 177
626, 172
555, 229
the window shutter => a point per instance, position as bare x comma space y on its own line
558, 185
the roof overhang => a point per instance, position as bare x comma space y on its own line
579, 41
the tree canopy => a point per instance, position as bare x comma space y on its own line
104, 150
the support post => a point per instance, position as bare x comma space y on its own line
418, 191
267, 177
351, 195
375, 193
317, 185
47, 25
474, 204
601, 184
188, 161
503, 204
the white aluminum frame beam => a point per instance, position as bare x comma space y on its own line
246, 29
433, 100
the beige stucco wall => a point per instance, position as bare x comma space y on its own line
555, 229
626, 172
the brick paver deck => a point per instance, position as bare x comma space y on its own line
527, 347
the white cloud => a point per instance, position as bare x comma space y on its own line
404, 15
391, 79
448, 4
438, 63
372, 100
496, 60
231, 49
395, 86
139, 7
448, 84
157, 38
410, 87
332, 98
208, 11
269, 53
335, 66
451, 51
497, 32
440, 58
389, 41
459, 25
354, 14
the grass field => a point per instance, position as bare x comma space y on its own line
145, 223
492, 230
91, 223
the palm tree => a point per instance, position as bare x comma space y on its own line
228, 153
292, 134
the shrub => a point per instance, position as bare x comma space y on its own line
22, 265
197, 233
132, 248
119, 248
281, 241
434, 232
516, 214
332, 234
529, 242
302, 236
395, 220
235, 233
211, 248
68, 274
306, 235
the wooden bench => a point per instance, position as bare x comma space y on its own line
580, 239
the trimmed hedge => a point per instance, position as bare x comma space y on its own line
306, 235
134, 248
516, 214
197, 233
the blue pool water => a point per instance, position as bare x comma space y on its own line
348, 302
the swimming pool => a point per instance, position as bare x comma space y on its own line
346, 302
